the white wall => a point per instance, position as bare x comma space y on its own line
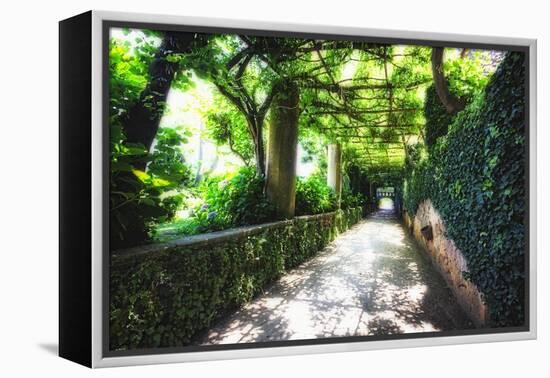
28, 185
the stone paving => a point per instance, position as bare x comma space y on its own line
372, 280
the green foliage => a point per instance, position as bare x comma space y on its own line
137, 198
415, 154
475, 177
369, 96
465, 78
351, 200
163, 298
313, 196
314, 148
356, 186
419, 185
167, 162
235, 201
238, 200
437, 117
128, 75
227, 126
145, 198
180, 227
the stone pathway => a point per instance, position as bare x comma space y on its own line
372, 280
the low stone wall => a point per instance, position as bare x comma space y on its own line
162, 295
429, 231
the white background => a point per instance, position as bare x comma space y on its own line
28, 185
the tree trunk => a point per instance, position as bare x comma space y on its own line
334, 170
283, 147
198, 175
141, 124
255, 129
260, 151
452, 104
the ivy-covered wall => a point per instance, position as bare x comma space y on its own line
465, 79
437, 117
475, 177
163, 296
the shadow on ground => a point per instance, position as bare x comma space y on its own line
372, 280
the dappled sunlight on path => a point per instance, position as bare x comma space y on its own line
372, 280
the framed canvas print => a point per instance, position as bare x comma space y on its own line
234, 189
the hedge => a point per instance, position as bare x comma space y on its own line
162, 297
475, 177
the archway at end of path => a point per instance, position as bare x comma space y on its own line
386, 199
386, 203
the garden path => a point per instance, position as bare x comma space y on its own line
372, 280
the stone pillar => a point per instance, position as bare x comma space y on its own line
334, 173
282, 151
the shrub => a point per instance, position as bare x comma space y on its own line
235, 201
475, 177
139, 199
165, 296
351, 200
313, 196
239, 201
167, 161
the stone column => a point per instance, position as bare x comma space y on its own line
282, 151
334, 173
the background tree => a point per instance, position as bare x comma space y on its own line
140, 124
452, 103
456, 82
141, 74
227, 125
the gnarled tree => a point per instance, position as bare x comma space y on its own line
143, 118
452, 104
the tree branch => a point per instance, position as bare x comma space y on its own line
452, 104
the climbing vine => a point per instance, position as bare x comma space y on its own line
475, 177
382, 103
466, 79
